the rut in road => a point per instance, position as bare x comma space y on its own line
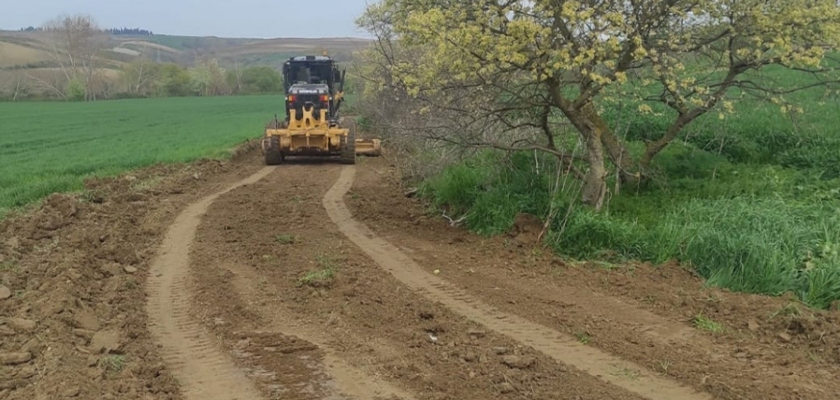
558, 346
205, 373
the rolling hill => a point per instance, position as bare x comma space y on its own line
28, 55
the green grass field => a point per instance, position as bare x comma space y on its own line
54, 147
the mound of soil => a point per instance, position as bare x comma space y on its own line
72, 272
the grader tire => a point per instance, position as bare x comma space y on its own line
273, 156
348, 154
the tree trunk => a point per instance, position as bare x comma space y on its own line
628, 169
595, 181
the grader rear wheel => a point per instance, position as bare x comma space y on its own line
348, 153
273, 156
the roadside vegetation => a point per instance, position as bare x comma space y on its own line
714, 144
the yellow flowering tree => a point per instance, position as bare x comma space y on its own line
515, 74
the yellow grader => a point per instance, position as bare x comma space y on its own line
314, 89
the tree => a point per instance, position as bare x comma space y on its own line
208, 78
174, 81
514, 74
13, 85
76, 43
261, 80
141, 77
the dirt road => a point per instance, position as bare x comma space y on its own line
319, 281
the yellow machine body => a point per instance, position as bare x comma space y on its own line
368, 147
307, 135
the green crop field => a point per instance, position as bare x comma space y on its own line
54, 147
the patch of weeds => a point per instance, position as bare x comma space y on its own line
113, 364
713, 298
790, 311
626, 372
324, 275
9, 266
583, 337
52, 245
130, 284
91, 196
608, 266
707, 324
663, 366
147, 184
285, 239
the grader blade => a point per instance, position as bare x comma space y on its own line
368, 147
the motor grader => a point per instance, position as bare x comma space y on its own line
314, 92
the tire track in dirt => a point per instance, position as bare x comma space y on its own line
560, 347
344, 378
204, 372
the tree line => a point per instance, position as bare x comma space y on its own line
113, 31
140, 79
145, 78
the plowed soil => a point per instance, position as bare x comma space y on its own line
313, 280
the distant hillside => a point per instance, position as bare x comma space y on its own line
27, 56
21, 50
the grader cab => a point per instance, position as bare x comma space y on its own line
314, 89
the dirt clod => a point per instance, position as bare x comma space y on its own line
506, 387
21, 325
5, 293
129, 269
15, 358
105, 341
84, 333
785, 337
477, 333
518, 362
86, 320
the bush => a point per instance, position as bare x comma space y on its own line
261, 80
76, 90
491, 189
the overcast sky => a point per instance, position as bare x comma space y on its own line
223, 18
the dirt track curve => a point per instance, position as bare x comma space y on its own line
274, 289
562, 348
207, 374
